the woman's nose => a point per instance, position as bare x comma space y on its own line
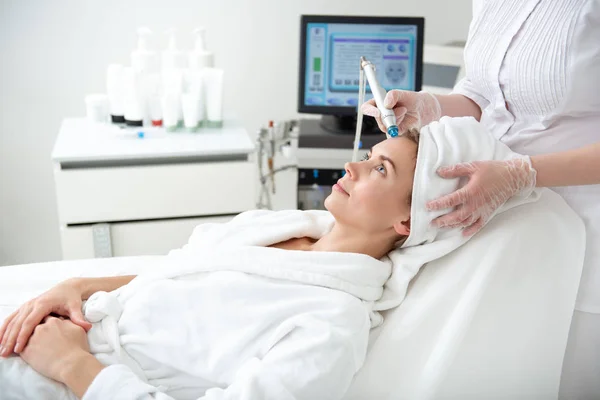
350, 170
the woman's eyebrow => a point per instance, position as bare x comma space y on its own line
388, 160
385, 158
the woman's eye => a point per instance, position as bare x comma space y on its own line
380, 168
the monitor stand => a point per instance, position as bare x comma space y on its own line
346, 124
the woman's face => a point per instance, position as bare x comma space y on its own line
374, 194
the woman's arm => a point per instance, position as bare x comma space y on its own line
79, 372
458, 105
59, 350
466, 100
568, 168
89, 286
417, 109
491, 183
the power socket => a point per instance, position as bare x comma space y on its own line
102, 241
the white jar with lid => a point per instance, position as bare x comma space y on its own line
96, 106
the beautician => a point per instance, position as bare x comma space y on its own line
533, 79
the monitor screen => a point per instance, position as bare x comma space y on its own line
330, 52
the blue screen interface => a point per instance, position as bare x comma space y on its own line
333, 52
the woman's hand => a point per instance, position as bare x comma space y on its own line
491, 184
412, 109
58, 347
64, 299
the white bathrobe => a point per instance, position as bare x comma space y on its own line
226, 318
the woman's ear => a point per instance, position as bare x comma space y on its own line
402, 227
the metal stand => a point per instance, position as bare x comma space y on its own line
268, 145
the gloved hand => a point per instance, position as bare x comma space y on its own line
412, 109
491, 184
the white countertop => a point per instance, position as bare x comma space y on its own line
82, 140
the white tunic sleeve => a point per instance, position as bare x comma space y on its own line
314, 361
466, 86
468, 89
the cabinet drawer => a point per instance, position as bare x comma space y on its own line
128, 193
133, 238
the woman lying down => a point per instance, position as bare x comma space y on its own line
272, 305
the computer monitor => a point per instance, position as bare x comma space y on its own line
330, 51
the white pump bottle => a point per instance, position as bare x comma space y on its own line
143, 59
172, 57
200, 57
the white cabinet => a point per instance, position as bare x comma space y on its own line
132, 238
119, 195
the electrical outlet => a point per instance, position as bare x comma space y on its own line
102, 242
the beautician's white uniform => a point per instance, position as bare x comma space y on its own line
533, 66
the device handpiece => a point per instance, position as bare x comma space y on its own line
387, 116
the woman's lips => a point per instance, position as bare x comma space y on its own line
340, 189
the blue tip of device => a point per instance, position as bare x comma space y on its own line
393, 131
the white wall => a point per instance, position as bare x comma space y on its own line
54, 52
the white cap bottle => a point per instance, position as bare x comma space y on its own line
173, 57
115, 92
134, 99
200, 57
143, 59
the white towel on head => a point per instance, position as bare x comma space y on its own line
442, 143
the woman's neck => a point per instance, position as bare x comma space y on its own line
351, 240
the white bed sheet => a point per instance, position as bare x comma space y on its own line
19, 283
489, 321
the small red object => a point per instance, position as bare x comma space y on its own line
157, 122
